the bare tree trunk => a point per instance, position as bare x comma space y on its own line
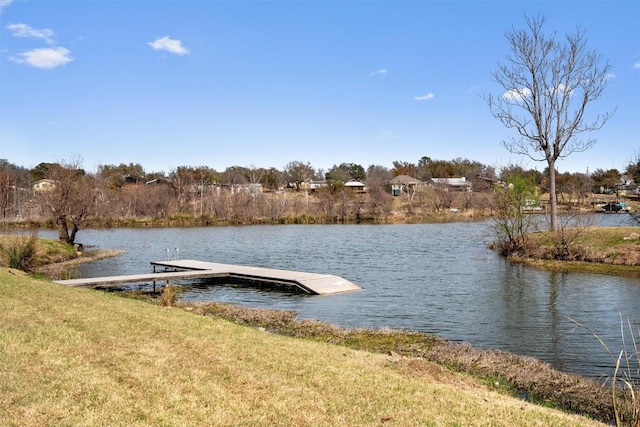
63, 230
553, 197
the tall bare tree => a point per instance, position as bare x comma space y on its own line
548, 84
70, 200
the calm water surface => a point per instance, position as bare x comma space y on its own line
436, 278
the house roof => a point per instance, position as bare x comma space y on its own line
353, 183
454, 182
405, 180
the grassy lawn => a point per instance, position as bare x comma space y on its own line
85, 358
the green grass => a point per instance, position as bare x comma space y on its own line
84, 358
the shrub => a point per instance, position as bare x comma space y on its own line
512, 224
19, 252
169, 295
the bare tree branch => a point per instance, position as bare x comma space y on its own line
548, 83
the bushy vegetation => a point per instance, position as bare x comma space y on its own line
19, 252
513, 224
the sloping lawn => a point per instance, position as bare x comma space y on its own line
85, 358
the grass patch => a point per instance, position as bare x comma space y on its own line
18, 252
602, 250
73, 356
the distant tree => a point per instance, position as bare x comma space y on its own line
254, 174
41, 171
297, 172
512, 170
6, 186
442, 196
377, 181
605, 181
234, 175
15, 191
345, 172
272, 178
548, 84
573, 188
70, 200
190, 184
404, 168
442, 169
633, 168
378, 175
204, 178
117, 176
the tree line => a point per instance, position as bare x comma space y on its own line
251, 194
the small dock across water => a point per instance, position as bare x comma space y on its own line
311, 283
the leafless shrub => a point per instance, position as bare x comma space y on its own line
169, 296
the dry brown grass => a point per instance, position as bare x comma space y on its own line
76, 357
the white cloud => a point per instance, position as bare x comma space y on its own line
380, 72
24, 30
47, 58
5, 3
517, 94
427, 97
611, 76
636, 65
169, 45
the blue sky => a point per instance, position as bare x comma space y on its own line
263, 83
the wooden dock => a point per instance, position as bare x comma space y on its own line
311, 283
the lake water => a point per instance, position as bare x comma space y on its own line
435, 278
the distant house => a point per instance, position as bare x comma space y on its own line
627, 186
252, 189
44, 185
403, 184
355, 186
313, 185
452, 184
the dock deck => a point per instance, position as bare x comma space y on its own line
311, 283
